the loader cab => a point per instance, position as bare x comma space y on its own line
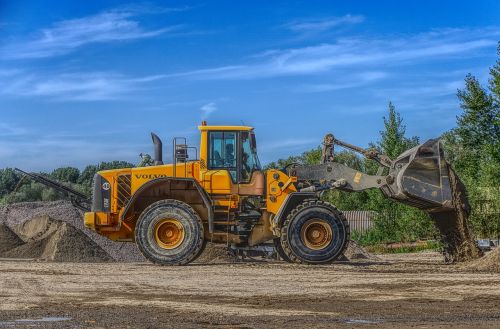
228, 160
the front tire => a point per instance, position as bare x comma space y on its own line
315, 232
170, 232
280, 251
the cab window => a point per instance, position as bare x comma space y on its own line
222, 152
249, 160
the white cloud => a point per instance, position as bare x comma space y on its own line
67, 35
357, 53
208, 109
76, 86
429, 89
11, 130
315, 26
356, 80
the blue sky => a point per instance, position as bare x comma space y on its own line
83, 82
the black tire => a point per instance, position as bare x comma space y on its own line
193, 241
330, 218
280, 251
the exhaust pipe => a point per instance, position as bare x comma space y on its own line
158, 149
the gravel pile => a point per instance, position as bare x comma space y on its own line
47, 239
216, 253
19, 213
489, 263
356, 252
8, 239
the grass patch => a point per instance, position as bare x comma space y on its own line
401, 247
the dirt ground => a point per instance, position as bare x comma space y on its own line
406, 290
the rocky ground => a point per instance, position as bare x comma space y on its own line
405, 290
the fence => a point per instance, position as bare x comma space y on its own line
359, 220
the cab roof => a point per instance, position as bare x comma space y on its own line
225, 128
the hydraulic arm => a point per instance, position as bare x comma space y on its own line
418, 177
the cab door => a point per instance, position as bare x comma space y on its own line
233, 165
222, 164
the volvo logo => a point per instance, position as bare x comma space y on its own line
106, 186
149, 176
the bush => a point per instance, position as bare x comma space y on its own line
14, 188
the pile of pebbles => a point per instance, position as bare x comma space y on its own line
47, 239
14, 215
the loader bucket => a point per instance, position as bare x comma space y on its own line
425, 180
422, 177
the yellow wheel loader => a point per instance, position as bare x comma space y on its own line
224, 196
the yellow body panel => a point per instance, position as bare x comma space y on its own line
141, 175
89, 220
216, 181
278, 188
225, 128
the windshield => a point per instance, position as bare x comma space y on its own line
249, 159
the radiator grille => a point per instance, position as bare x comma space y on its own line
124, 190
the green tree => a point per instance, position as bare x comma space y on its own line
66, 174
8, 181
87, 175
28, 190
392, 139
309, 157
473, 146
395, 221
494, 84
282, 163
475, 127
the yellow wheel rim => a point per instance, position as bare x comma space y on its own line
169, 233
316, 234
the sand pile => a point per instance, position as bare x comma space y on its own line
456, 234
53, 240
217, 253
489, 263
63, 211
356, 252
8, 239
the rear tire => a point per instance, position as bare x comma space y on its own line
315, 232
170, 232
